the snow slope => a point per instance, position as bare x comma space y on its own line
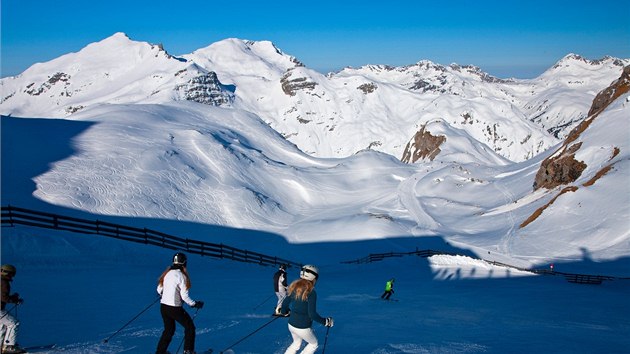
223, 166
335, 115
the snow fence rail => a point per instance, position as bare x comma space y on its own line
570, 277
12, 216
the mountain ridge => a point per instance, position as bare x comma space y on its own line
332, 115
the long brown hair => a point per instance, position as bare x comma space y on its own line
302, 288
184, 271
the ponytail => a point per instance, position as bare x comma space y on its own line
301, 288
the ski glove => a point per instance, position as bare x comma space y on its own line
15, 298
329, 322
198, 305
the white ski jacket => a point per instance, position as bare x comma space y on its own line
174, 289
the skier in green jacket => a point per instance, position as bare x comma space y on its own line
389, 289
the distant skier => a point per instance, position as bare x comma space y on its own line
8, 324
173, 288
304, 311
389, 289
280, 287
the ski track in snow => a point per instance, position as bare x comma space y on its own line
505, 244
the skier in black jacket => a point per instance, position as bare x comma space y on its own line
9, 324
280, 287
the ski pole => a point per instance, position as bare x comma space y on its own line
133, 319
249, 335
326, 340
180, 344
9, 310
267, 299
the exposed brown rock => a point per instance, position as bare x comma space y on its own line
601, 173
422, 145
562, 167
616, 89
540, 210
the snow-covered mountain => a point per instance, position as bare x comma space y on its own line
234, 155
115, 70
374, 107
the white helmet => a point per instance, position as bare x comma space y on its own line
309, 272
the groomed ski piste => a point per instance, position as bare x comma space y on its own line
80, 289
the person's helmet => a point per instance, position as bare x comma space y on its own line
283, 267
180, 259
8, 270
309, 272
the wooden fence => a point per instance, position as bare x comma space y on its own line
570, 277
12, 216
376, 257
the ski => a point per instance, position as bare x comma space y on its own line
38, 348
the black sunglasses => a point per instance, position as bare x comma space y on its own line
310, 271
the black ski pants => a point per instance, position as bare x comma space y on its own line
170, 315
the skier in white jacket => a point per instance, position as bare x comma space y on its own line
173, 287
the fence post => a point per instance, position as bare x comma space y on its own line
11, 215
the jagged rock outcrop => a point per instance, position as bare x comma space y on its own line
562, 168
291, 85
205, 89
367, 88
56, 78
423, 145
616, 89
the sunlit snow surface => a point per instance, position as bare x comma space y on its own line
190, 162
214, 169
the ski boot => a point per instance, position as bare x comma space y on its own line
12, 349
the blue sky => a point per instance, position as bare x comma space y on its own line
505, 38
